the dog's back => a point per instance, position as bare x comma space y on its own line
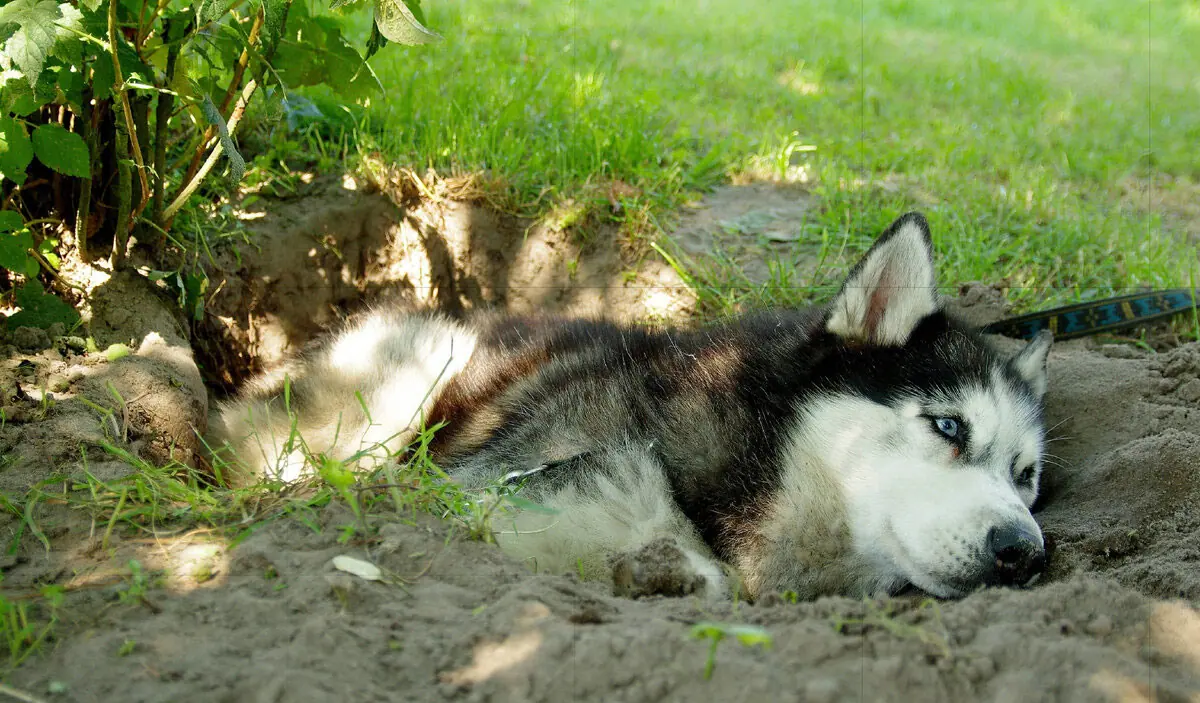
361, 393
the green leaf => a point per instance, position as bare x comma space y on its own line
709, 630
70, 87
414, 6
212, 10
14, 249
398, 23
10, 221
40, 309
61, 150
376, 42
17, 98
237, 165
69, 21
116, 352
195, 286
16, 152
275, 14
104, 79
15, 243
68, 47
29, 46
48, 248
749, 635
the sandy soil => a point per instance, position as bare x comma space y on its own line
272, 620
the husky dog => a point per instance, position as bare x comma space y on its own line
859, 448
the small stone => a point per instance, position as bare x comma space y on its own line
889, 667
770, 600
1168, 385
821, 691
75, 343
341, 585
985, 666
30, 339
1190, 391
1119, 351
1176, 367
1100, 626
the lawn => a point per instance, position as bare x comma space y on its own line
1030, 133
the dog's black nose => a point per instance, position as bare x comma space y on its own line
1017, 555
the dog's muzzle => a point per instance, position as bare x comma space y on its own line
1017, 556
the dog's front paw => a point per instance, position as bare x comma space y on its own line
663, 567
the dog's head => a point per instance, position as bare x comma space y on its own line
933, 439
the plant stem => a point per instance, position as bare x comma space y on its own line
83, 212
140, 105
162, 117
238, 73
191, 186
130, 129
124, 196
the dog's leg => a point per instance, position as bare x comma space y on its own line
612, 517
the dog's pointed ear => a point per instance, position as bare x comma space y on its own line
891, 289
1030, 362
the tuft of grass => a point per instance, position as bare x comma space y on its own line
22, 633
883, 617
715, 633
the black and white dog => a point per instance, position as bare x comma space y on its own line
857, 448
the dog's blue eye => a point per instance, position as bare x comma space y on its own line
947, 426
1025, 478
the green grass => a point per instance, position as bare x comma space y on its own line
1027, 132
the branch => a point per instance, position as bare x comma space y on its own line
162, 117
119, 87
142, 36
85, 187
191, 186
124, 195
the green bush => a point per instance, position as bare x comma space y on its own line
115, 113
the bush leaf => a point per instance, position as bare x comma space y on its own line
61, 150
275, 13
14, 252
40, 309
15, 243
29, 46
15, 150
397, 23
376, 41
10, 221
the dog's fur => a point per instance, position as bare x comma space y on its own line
856, 448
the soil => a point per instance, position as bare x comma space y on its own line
271, 619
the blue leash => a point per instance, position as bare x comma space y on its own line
1097, 316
